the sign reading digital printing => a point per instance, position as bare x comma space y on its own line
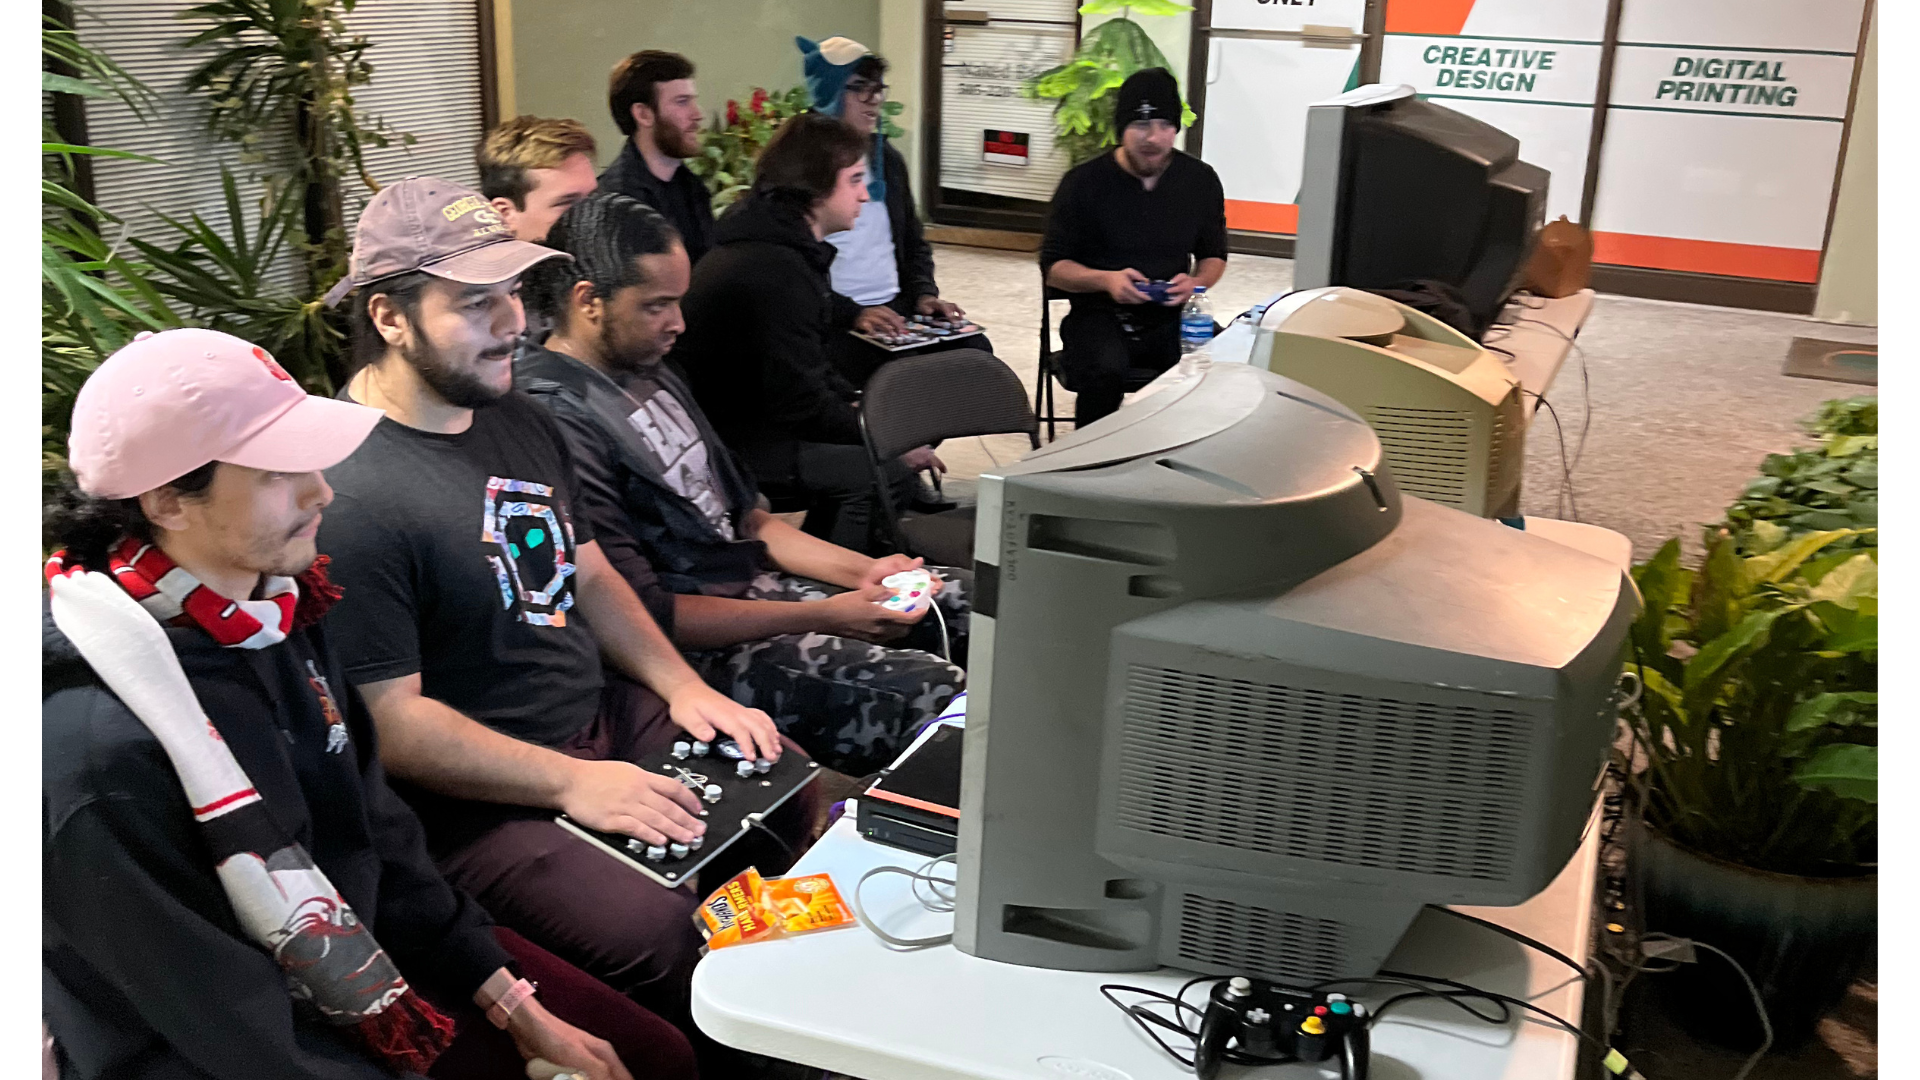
1766, 83
1004, 148
1500, 70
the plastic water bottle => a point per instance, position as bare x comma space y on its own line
1196, 333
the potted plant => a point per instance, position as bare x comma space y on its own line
1756, 744
1082, 88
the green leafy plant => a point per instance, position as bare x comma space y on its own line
734, 141
1082, 89
93, 298
1757, 724
1834, 484
287, 69
222, 280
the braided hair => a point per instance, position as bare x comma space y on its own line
606, 233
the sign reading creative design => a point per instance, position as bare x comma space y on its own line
1503, 70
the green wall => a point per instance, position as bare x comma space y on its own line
563, 49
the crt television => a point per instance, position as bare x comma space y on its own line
1238, 705
1395, 189
1448, 412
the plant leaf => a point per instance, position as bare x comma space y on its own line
1850, 582
1707, 671
1776, 566
1849, 770
1823, 709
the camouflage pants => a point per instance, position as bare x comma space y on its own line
851, 704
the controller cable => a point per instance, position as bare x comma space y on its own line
1459, 995
941, 896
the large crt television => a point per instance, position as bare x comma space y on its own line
1396, 190
1239, 705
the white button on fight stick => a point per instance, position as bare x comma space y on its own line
762, 765
743, 767
713, 793
694, 844
681, 750
656, 853
700, 749
678, 851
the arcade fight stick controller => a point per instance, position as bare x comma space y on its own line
1268, 1020
736, 793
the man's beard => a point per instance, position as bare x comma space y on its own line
1143, 169
621, 357
674, 142
459, 388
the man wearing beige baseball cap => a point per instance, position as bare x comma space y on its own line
232, 890
467, 570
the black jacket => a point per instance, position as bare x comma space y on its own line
910, 248
758, 316
656, 537
630, 176
145, 972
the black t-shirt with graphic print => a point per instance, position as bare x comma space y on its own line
667, 437
456, 555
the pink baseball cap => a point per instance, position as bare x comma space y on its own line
170, 402
439, 228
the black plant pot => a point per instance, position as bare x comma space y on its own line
1803, 941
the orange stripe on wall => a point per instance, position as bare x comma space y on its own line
1704, 256
1267, 217
1427, 16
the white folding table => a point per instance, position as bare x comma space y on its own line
842, 1000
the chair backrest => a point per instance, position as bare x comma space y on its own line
919, 400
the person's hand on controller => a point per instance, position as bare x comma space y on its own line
1179, 289
888, 565
941, 309
1123, 286
621, 797
880, 320
857, 613
706, 713
922, 458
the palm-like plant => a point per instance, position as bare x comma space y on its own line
1082, 88
288, 69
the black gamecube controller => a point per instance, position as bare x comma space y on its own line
1267, 1020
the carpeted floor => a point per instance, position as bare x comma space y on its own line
1685, 400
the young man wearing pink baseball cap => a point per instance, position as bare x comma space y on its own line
232, 890
467, 571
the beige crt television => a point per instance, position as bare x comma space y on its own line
1448, 413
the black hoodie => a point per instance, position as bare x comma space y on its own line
758, 314
145, 971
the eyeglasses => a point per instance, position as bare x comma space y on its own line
863, 90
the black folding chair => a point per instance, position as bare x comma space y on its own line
920, 400
1050, 372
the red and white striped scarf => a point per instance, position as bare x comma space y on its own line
177, 598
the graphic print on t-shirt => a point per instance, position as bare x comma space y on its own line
676, 446
531, 554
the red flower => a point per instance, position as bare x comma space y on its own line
733, 112
759, 103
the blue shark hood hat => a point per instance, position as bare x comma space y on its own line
828, 65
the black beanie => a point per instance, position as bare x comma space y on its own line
1148, 94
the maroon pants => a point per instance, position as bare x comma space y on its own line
648, 1046
596, 913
